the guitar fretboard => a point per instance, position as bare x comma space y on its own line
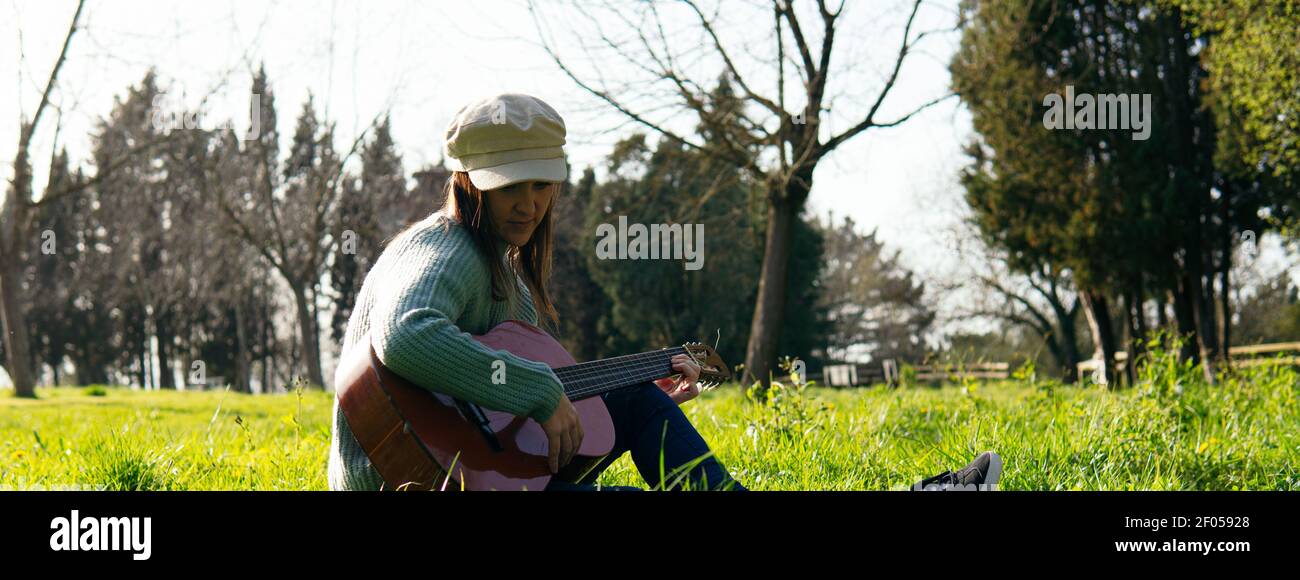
596, 377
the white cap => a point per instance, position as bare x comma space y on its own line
506, 139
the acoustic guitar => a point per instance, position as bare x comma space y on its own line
418, 439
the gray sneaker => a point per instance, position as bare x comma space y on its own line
980, 475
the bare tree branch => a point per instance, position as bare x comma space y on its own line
870, 120
101, 173
731, 66
30, 128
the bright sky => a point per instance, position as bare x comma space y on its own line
423, 60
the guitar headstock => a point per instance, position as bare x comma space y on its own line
713, 370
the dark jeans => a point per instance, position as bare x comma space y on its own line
644, 417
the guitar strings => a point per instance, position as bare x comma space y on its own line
584, 379
591, 383
594, 368
611, 384
601, 367
619, 359
579, 378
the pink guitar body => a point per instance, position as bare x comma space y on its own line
411, 433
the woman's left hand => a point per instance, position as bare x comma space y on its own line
686, 386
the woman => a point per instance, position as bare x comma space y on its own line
483, 259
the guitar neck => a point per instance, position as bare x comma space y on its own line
601, 376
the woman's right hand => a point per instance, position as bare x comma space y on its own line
563, 434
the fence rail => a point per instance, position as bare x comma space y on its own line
850, 375
1265, 348
1238, 356
887, 371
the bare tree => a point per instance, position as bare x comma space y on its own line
778, 140
1044, 301
15, 224
288, 212
20, 211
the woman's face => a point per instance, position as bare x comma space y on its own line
518, 209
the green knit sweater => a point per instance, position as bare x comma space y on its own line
429, 290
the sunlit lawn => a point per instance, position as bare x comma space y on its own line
1171, 432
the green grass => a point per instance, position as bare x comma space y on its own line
122, 439
1172, 431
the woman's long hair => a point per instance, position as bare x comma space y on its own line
532, 261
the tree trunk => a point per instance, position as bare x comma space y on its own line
1224, 311
1140, 315
1191, 178
1142, 328
1205, 325
1132, 336
1070, 357
1185, 320
1103, 336
13, 234
268, 351
17, 344
141, 354
243, 368
1067, 341
765, 329
166, 374
272, 356
310, 340
1162, 317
